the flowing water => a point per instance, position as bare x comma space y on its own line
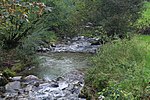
56, 64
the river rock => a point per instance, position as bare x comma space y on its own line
42, 49
46, 84
31, 77
2, 89
20, 98
58, 94
28, 88
54, 84
76, 44
13, 86
67, 87
101, 97
63, 85
60, 79
16, 78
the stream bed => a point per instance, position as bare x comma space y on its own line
62, 74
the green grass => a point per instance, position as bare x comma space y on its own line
145, 40
121, 70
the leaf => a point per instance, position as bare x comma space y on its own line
27, 20
48, 9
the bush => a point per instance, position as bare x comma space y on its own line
117, 71
17, 19
143, 23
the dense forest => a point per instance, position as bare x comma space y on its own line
120, 68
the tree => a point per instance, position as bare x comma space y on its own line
115, 16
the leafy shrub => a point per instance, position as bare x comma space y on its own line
17, 19
21, 31
143, 23
118, 71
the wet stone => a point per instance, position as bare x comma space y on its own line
2, 89
64, 89
13, 86
31, 77
54, 84
17, 78
76, 44
28, 88
63, 85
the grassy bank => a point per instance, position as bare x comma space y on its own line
120, 71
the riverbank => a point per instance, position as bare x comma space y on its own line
121, 70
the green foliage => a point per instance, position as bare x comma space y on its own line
23, 27
16, 19
144, 21
19, 20
115, 16
115, 93
26, 52
65, 18
118, 71
70, 17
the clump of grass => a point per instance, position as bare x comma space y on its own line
118, 71
8, 73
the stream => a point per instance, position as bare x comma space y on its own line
62, 74
53, 65
59, 75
